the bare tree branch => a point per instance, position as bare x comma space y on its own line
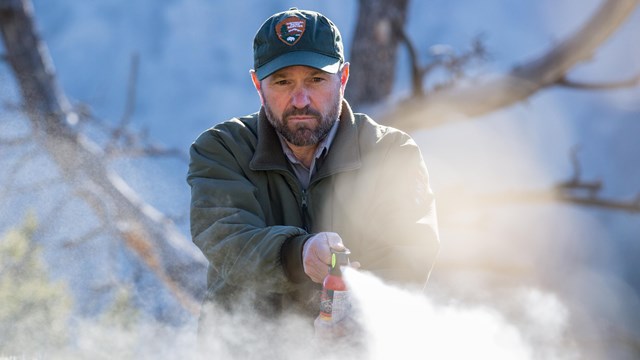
581, 192
12, 172
456, 63
121, 132
575, 191
554, 196
130, 104
48, 222
632, 205
134, 145
464, 102
631, 82
417, 71
134, 150
576, 182
86, 237
123, 141
449, 60
149, 151
15, 141
33, 187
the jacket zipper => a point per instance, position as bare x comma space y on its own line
305, 211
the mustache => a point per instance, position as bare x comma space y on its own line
307, 110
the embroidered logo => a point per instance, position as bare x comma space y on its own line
290, 29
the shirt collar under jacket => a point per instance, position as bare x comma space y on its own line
303, 173
344, 154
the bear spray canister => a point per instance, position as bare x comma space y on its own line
335, 304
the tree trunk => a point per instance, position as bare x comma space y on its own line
142, 229
374, 50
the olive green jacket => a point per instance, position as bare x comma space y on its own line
250, 216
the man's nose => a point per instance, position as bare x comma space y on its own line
300, 97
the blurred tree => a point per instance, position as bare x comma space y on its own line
83, 165
34, 309
122, 313
483, 265
379, 31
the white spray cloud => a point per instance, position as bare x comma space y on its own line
404, 325
401, 324
396, 324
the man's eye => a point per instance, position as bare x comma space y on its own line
318, 79
282, 82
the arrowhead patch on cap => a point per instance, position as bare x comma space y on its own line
290, 29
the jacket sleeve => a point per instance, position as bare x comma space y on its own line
403, 237
228, 223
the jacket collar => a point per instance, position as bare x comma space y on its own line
343, 155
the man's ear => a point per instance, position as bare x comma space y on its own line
256, 84
344, 75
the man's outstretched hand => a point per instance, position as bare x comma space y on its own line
316, 254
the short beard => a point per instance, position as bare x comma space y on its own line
302, 134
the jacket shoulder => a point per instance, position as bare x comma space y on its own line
239, 129
372, 130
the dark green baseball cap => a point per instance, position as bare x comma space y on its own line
297, 37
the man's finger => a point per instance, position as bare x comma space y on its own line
335, 241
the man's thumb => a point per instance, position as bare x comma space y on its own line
335, 241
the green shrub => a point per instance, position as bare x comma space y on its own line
34, 309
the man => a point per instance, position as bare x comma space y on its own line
274, 191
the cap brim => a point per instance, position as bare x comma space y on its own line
326, 63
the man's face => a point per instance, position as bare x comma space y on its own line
302, 103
